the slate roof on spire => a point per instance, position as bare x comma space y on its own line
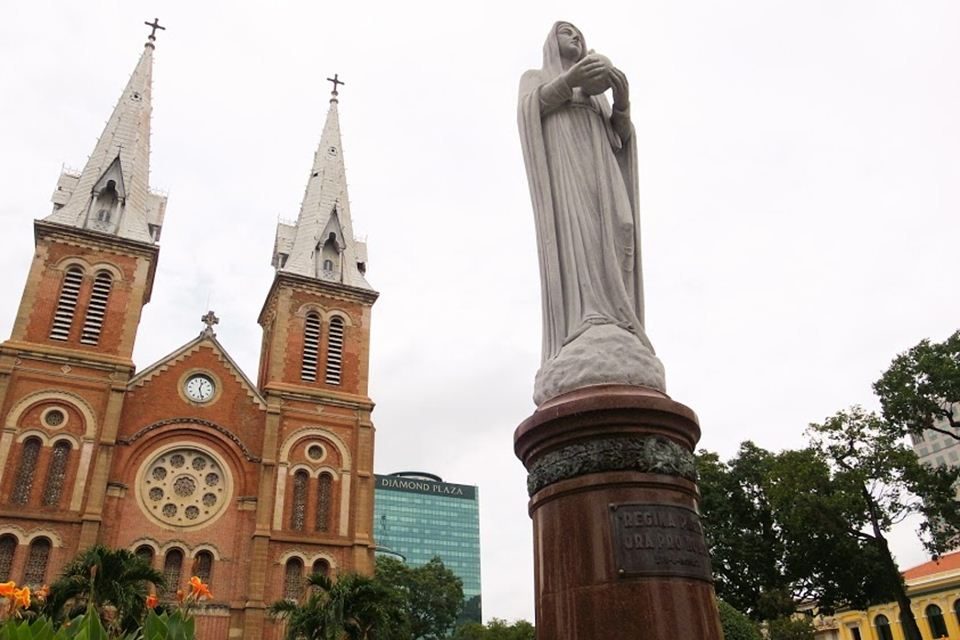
324, 219
138, 214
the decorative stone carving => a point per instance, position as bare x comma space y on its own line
645, 454
184, 487
580, 156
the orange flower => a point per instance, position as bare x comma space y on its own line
198, 589
7, 588
21, 597
180, 595
151, 601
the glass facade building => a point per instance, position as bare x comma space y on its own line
418, 516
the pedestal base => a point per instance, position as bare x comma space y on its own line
618, 548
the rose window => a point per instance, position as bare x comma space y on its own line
184, 487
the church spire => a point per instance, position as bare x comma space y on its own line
321, 244
112, 194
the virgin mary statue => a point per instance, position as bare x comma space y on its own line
580, 156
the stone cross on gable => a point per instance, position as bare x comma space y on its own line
209, 319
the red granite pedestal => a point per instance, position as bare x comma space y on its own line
618, 548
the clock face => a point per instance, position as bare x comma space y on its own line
199, 388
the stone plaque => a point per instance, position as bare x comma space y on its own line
658, 540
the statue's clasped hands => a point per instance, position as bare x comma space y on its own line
594, 74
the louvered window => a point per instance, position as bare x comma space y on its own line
323, 502
56, 474
67, 304
36, 568
97, 308
8, 546
311, 347
293, 579
335, 351
203, 566
172, 565
28, 466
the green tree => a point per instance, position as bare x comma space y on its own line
496, 629
921, 388
768, 549
317, 617
790, 629
736, 625
115, 581
748, 553
431, 594
366, 608
355, 607
877, 482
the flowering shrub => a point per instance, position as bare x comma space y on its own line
19, 619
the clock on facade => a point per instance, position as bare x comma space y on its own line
199, 388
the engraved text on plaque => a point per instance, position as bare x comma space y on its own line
658, 540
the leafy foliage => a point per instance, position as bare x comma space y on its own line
921, 388
811, 524
880, 482
115, 581
496, 629
750, 562
769, 547
317, 617
790, 629
174, 626
432, 596
736, 625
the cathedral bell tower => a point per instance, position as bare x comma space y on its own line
314, 362
63, 372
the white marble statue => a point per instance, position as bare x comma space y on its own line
581, 160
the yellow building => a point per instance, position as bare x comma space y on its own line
934, 589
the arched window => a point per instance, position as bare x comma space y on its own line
66, 304
35, 571
172, 565
203, 566
324, 491
107, 201
8, 547
956, 609
293, 579
145, 553
56, 474
329, 258
97, 308
334, 350
938, 626
298, 515
28, 465
883, 627
321, 566
311, 347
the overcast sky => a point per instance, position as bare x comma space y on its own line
799, 184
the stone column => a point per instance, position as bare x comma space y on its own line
618, 547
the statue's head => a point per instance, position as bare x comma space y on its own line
569, 41
564, 47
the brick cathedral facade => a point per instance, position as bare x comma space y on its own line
187, 462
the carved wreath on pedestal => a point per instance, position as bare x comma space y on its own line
649, 455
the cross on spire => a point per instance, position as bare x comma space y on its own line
153, 28
335, 80
209, 319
